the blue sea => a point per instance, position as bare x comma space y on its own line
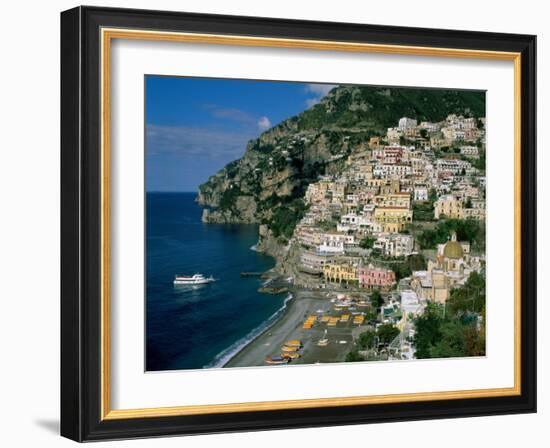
201, 326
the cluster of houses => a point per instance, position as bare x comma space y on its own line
368, 208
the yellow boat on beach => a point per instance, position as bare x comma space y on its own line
308, 323
293, 343
333, 321
344, 318
276, 360
287, 349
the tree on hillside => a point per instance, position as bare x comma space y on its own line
366, 339
387, 333
428, 329
376, 299
367, 242
456, 328
354, 356
415, 262
470, 298
466, 230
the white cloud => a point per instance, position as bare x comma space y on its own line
229, 113
319, 90
264, 124
312, 101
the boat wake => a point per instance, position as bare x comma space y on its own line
225, 356
254, 248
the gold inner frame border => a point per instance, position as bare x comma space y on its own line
107, 36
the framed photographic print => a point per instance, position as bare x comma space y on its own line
275, 224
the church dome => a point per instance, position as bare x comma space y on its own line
453, 249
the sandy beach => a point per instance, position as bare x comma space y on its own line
289, 326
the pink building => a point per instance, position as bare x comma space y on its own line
393, 154
376, 278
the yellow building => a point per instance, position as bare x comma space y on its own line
449, 207
393, 219
391, 186
374, 142
401, 199
340, 272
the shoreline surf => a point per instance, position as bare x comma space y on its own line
225, 356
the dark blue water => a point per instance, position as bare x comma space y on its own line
194, 327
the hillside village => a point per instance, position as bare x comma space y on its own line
381, 229
404, 218
386, 196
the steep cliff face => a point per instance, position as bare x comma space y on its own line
267, 185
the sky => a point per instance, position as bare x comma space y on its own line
195, 126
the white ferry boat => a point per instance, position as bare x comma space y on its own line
197, 279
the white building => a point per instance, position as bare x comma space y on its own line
454, 166
395, 244
334, 242
430, 127
470, 151
410, 303
399, 171
420, 193
407, 123
330, 248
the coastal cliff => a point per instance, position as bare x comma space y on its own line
267, 185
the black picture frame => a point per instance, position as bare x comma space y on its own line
81, 224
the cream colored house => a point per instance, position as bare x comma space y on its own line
449, 207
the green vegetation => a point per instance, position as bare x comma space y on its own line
470, 298
343, 122
424, 211
285, 218
382, 107
269, 203
232, 168
327, 225
229, 197
415, 262
376, 299
466, 230
366, 340
480, 162
367, 242
376, 253
354, 356
259, 146
452, 330
387, 333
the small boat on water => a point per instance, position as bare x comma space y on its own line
197, 279
323, 342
